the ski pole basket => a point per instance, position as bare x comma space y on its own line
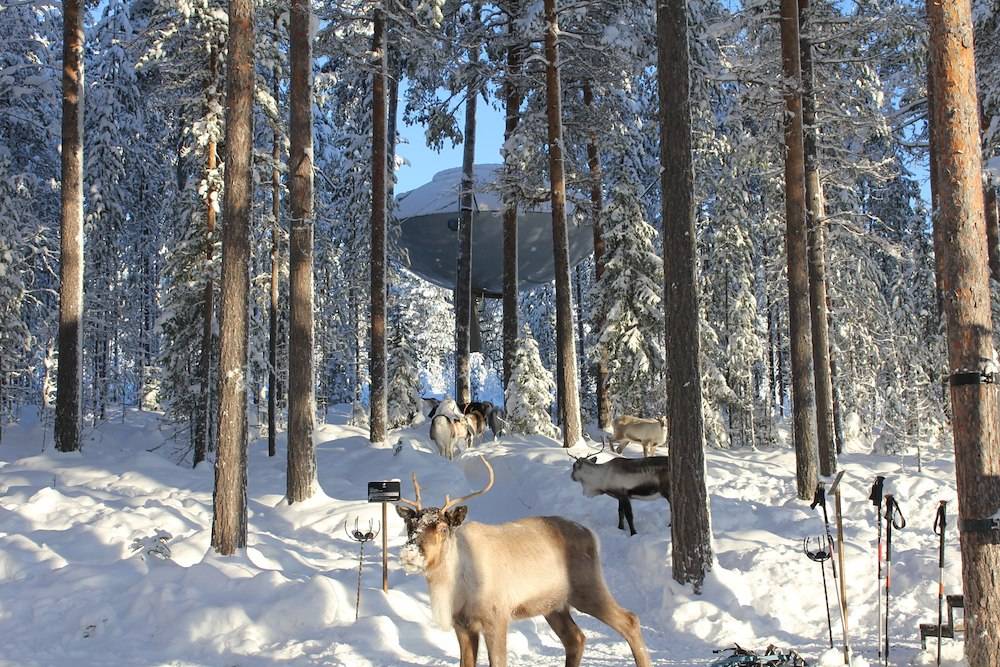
771, 657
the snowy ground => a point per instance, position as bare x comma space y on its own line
73, 593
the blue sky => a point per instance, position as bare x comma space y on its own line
424, 163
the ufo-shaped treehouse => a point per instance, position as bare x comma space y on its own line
428, 219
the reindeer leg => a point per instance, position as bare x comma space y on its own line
621, 512
628, 514
599, 603
468, 646
569, 634
495, 634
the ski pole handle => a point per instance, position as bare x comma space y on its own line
939, 529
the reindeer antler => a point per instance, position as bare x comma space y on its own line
416, 490
448, 502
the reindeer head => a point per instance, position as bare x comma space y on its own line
429, 530
581, 464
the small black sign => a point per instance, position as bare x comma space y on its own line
383, 492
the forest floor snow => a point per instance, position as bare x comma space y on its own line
74, 591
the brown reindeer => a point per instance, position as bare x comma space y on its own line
480, 577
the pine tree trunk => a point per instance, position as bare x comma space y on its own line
301, 386
961, 239
816, 215
566, 349
377, 354
229, 525
272, 313
597, 210
463, 286
512, 105
202, 429
799, 326
67, 422
691, 533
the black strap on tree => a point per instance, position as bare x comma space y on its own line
961, 378
939, 530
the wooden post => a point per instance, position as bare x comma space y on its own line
840, 562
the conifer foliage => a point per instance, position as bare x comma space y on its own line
529, 392
627, 302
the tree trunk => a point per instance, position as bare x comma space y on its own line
816, 215
272, 343
202, 429
229, 525
566, 349
691, 533
512, 104
301, 387
963, 264
463, 287
597, 209
67, 422
799, 329
377, 353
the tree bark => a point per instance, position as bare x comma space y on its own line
202, 429
567, 381
799, 326
963, 264
512, 105
816, 215
301, 386
229, 525
691, 532
272, 343
463, 286
67, 421
597, 210
377, 354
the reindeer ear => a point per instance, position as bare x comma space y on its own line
405, 512
456, 516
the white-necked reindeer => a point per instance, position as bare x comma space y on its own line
647, 478
650, 433
481, 576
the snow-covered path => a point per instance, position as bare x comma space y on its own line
73, 593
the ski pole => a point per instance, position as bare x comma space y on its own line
820, 555
876, 497
939, 528
893, 519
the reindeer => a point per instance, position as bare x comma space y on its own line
481, 576
648, 432
492, 416
447, 433
624, 479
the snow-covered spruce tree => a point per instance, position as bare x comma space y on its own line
29, 203
627, 304
529, 393
404, 381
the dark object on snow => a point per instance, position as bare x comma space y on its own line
647, 478
772, 656
939, 530
428, 233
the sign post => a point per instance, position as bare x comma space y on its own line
384, 492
